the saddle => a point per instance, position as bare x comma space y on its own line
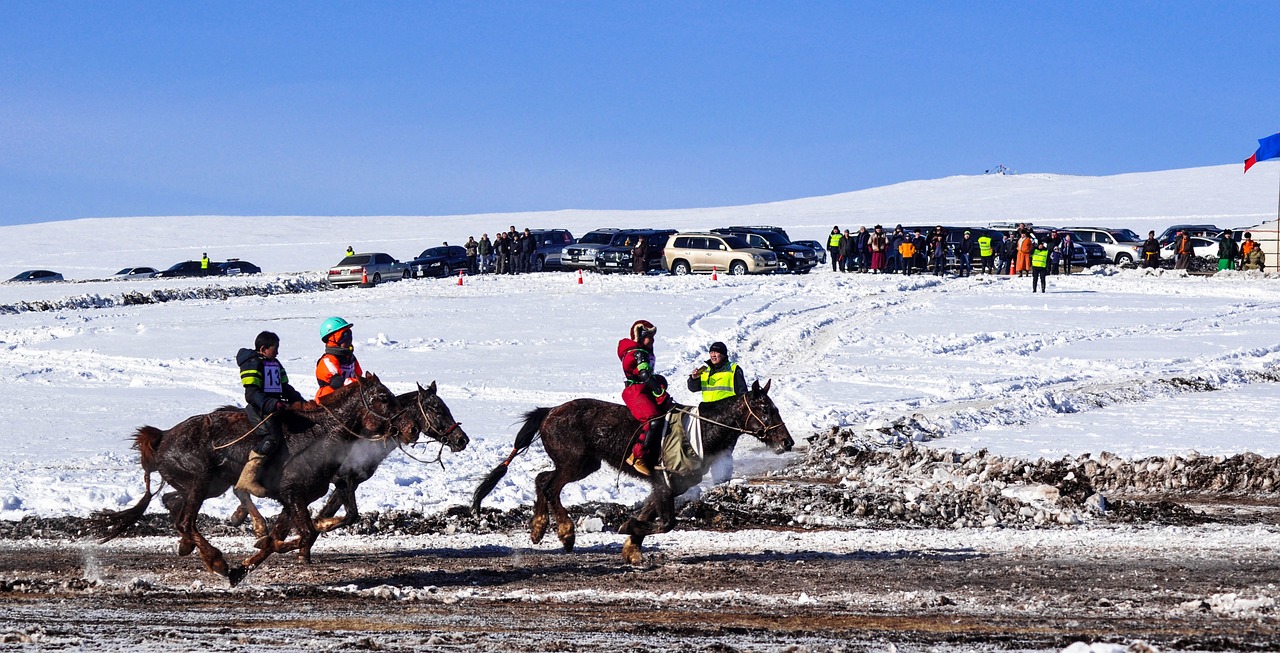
682, 441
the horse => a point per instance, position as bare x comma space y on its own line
432, 418
202, 457
581, 434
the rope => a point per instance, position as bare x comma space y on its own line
247, 434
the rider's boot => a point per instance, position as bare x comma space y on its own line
636, 458
249, 475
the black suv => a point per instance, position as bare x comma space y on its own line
793, 258
438, 261
618, 256
188, 269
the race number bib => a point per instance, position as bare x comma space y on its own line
272, 378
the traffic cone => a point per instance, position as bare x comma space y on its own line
579, 277
364, 277
714, 276
459, 277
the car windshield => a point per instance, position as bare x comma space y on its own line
355, 260
735, 242
596, 238
434, 251
126, 271
180, 266
776, 239
1125, 235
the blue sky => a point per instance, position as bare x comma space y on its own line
431, 108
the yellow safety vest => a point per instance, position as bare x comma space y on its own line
1040, 258
719, 385
833, 240
984, 246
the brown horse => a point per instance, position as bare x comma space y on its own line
431, 417
202, 457
582, 433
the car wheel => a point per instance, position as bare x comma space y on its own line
405, 275
1123, 259
377, 278
737, 268
680, 268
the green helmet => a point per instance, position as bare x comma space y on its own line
332, 325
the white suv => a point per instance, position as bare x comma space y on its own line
1122, 245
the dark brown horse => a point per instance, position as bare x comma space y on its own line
202, 457
431, 417
583, 433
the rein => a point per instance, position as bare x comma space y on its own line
220, 447
751, 414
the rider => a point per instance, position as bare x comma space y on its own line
646, 392
266, 394
338, 366
720, 378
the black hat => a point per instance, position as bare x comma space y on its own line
720, 347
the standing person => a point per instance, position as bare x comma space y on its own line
964, 255
473, 251
515, 249
938, 251
1182, 251
1228, 251
986, 252
337, 366
1040, 267
878, 245
1025, 245
500, 253
847, 255
862, 249
906, 255
833, 247
204, 263
267, 394
645, 393
1008, 252
485, 250
351, 251
1252, 257
1055, 256
895, 250
528, 245
1066, 249
1151, 251
640, 256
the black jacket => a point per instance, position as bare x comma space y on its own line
251, 376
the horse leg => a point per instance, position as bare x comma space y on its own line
271, 542
555, 484
248, 509
631, 552
344, 496
307, 533
538, 525
209, 554
644, 516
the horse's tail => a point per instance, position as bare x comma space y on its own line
532, 424
110, 524
146, 441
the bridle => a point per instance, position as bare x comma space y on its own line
428, 422
758, 434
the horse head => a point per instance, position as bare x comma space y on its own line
432, 417
763, 421
377, 405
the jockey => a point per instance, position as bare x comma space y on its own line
646, 393
338, 366
266, 394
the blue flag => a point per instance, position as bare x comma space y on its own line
1268, 148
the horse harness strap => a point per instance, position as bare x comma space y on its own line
220, 447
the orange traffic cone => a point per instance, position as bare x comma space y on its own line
459, 277
714, 276
364, 277
579, 277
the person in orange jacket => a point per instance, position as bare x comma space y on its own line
1025, 244
338, 366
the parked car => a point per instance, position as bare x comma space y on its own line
1122, 245
1200, 246
582, 254
37, 275
793, 258
1206, 230
186, 269
234, 266
550, 243
1094, 254
135, 273
818, 249
439, 261
705, 252
620, 258
378, 266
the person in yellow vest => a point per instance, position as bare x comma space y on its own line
1040, 266
833, 247
986, 251
351, 251
720, 378
908, 251
204, 263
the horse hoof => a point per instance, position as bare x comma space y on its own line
236, 574
537, 528
237, 517
631, 553
568, 542
185, 548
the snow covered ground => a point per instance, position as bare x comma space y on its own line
1096, 364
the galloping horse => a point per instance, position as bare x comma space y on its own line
431, 416
202, 457
580, 434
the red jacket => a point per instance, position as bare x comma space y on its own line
637, 362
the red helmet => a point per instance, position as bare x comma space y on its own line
642, 328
